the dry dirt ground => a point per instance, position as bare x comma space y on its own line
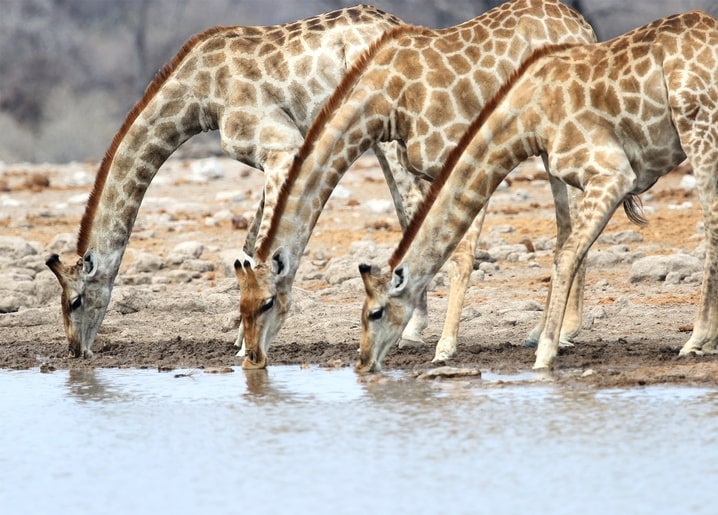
183, 316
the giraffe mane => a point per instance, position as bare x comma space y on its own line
328, 109
151, 90
455, 154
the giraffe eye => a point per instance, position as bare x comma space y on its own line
376, 314
267, 305
75, 303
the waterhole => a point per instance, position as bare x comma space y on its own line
309, 440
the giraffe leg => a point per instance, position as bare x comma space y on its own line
461, 264
406, 192
704, 339
566, 206
597, 207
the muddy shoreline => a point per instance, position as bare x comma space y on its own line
175, 301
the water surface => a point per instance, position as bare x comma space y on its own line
294, 440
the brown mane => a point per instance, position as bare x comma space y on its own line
328, 109
152, 89
456, 152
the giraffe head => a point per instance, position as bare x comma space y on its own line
85, 296
265, 297
386, 311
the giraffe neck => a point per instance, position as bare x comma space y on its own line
496, 141
297, 213
163, 120
365, 111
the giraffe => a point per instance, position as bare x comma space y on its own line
609, 118
420, 88
259, 86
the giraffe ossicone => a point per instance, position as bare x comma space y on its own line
610, 118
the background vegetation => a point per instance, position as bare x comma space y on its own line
71, 69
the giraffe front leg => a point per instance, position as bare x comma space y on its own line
460, 266
559, 292
239, 342
603, 194
417, 323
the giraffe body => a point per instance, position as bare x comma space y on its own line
609, 118
259, 86
417, 87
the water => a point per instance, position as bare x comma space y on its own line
304, 441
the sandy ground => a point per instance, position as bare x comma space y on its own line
184, 315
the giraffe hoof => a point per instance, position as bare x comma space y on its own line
688, 352
410, 342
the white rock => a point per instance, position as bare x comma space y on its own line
15, 247
657, 268
341, 269
144, 262
233, 196
188, 249
688, 182
379, 206
205, 170
340, 192
63, 243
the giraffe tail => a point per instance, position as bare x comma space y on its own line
633, 207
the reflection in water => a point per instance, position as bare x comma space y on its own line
257, 381
85, 384
314, 440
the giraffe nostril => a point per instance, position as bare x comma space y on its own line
252, 356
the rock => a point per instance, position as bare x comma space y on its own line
190, 249
10, 303
63, 243
231, 320
507, 252
544, 243
488, 268
205, 170
227, 259
340, 192
449, 372
688, 182
379, 206
218, 370
684, 206
130, 300
502, 229
341, 269
530, 305
240, 223
198, 265
144, 263
602, 259
657, 268
628, 236
233, 197
15, 247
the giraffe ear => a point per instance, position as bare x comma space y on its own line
280, 263
89, 263
399, 279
